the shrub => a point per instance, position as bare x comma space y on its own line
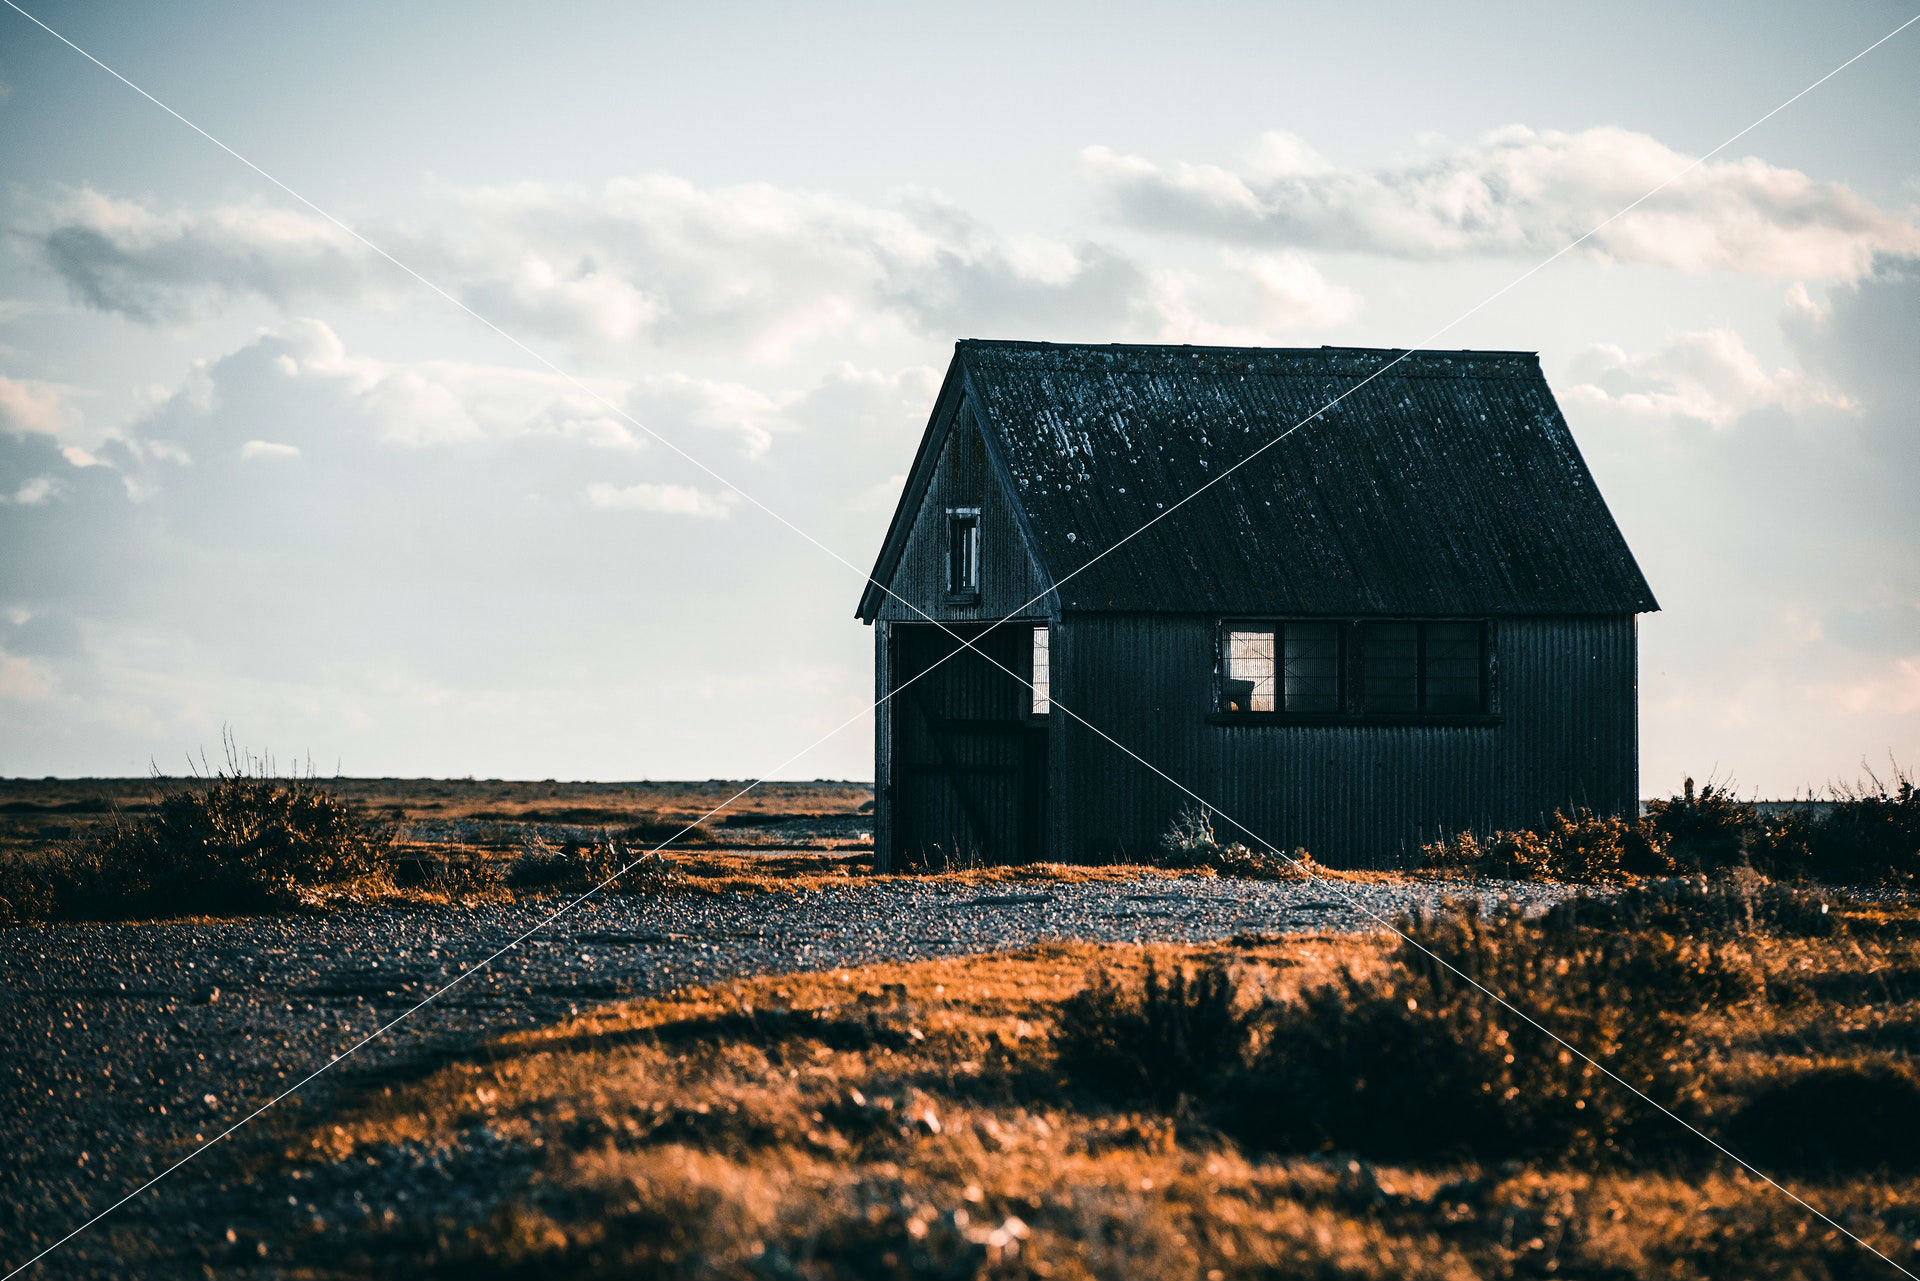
241, 840
1179, 1032
1190, 843
1703, 831
1581, 846
585, 865
1864, 832
1423, 1061
1738, 903
1839, 1119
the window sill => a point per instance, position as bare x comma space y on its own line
961, 598
1335, 719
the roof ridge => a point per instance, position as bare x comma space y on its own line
1028, 344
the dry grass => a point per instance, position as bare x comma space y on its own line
917, 1120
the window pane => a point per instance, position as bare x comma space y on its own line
1312, 666
1042, 672
1389, 658
963, 551
1453, 668
1249, 672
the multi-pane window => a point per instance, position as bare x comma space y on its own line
963, 551
1285, 667
1357, 670
1042, 672
1422, 669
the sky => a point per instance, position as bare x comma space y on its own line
255, 474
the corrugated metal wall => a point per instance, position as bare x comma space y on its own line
1352, 795
1009, 576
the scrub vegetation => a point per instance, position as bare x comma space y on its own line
240, 839
1269, 1106
1853, 834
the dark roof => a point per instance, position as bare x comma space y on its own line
1447, 484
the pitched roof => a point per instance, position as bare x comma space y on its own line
1446, 484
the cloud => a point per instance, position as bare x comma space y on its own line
124, 256
25, 680
1518, 191
35, 406
669, 500
755, 271
1707, 375
33, 491
1252, 297
269, 449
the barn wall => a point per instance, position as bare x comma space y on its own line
1353, 795
1009, 576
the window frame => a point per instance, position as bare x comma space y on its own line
959, 591
1039, 706
1351, 668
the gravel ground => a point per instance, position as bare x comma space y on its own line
121, 1045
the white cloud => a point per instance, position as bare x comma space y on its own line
25, 680
33, 491
670, 500
1519, 191
1707, 375
270, 450
26, 405
1250, 298
755, 270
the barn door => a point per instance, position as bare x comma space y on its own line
969, 759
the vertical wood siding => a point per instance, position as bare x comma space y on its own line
1352, 795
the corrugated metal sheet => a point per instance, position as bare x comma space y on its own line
1354, 795
1449, 484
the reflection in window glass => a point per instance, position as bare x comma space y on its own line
1312, 667
1042, 672
1390, 668
1249, 672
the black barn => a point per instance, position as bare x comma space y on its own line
1412, 616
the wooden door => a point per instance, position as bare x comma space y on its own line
969, 758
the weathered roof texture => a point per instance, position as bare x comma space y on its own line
1448, 484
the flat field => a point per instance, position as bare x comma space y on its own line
777, 1064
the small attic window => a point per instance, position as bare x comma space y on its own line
963, 551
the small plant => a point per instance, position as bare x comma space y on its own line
1190, 843
1179, 1032
585, 865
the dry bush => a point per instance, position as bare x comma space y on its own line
239, 840
1190, 843
579, 866
1865, 832
1842, 1118
1703, 831
1739, 903
1423, 1062
1179, 1032
1577, 846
